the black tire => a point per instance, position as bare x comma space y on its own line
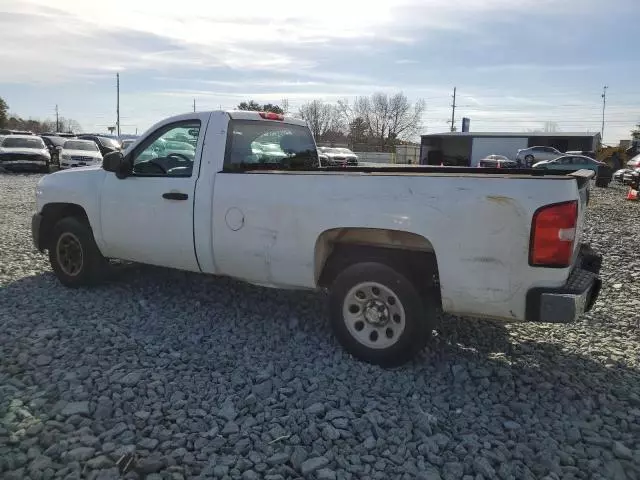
92, 264
419, 314
529, 160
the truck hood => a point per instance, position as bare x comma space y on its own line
75, 185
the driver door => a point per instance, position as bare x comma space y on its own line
147, 217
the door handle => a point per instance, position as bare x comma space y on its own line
175, 196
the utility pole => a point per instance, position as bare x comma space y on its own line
604, 104
118, 103
453, 111
194, 104
57, 120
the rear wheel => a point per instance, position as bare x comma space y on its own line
378, 315
74, 256
528, 160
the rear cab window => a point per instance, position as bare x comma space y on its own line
264, 144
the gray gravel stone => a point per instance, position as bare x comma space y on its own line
203, 373
75, 408
80, 454
278, 458
326, 474
130, 379
311, 465
621, 451
100, 462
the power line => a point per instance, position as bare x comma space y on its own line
453, 111
118, 102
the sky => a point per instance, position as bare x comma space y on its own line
517, 65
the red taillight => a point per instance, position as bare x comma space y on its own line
553, 232
271, 116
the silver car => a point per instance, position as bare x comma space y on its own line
531, 155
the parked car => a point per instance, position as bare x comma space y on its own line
578, 162
105, 144
79, 153
585, 153
24, 152
618, 175
267, 152
531, 155
634, 162
54, 144
631, 177
338, 157
387, 259
8, 131
497, 161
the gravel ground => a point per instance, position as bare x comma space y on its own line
188, 376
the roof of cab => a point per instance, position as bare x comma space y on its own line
251, 115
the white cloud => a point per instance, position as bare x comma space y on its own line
52, 41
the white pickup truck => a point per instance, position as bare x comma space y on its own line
392, 245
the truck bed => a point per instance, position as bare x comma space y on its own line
581, 175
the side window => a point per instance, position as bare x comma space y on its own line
168, 152
253, 144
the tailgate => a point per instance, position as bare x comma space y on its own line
583, 178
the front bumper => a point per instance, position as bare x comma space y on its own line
24, 164
565, 304
36, 222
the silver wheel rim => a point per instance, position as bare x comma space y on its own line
374, 315
69, 254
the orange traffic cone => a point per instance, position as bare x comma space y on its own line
632, 194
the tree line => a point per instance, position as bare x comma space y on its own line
378, 122
14, 122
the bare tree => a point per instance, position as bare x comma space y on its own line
405, 119
385, 118
285, 105
4, 109
321, 118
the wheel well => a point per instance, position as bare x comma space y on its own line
413, 254
52, 213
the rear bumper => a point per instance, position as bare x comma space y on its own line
565, 304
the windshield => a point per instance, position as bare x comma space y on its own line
13, 142
176, 145
271, 144
80, 145
57, 141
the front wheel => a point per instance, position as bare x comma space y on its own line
74, 255
378, 315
